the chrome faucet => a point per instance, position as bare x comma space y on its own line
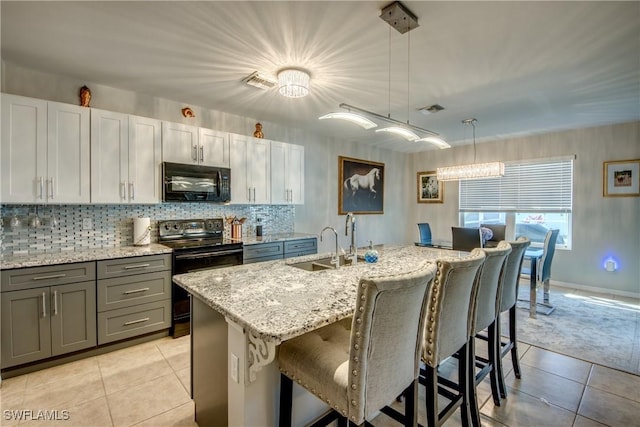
337, 253
353, 251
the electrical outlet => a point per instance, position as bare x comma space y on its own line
234, 368
87, 224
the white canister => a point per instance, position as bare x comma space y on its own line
141, 231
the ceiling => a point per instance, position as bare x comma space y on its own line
520, 68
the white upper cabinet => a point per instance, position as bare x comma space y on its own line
145, 160
287, 173
250, 162
125, 158
194, 145
45, 151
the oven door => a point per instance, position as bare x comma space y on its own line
190, 261
193, 183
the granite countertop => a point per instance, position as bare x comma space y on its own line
276, 302
278, 237
67, 257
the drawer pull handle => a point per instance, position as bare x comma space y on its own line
135, 291
133, 322
129, 267
53, 276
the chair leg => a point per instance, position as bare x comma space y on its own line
499, 373
514, 339
545, 296
431, 398
468, 381
494, 356
410, 407
342, 422
286, 400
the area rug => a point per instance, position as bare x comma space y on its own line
596, 329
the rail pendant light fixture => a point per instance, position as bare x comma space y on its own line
402, 20
293, 82
474, 170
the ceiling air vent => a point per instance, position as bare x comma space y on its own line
258, 80
431, 109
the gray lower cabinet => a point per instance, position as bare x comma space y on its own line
300, 247
134, 296
262, 252
40, 320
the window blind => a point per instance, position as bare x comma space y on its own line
536, 186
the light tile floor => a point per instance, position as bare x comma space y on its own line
147, 385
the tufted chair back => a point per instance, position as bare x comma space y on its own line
386, 337
448, 306
512, 268
487, 302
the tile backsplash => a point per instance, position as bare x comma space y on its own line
105, 226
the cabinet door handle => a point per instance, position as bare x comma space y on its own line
55, 303
132, 194
53, 276
194, 153
133, 322
249, 193
41, 187
135, 291
254, 194
123, 190
201, 154
44, 302
52, 187
129, 267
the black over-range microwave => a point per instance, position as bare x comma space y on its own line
194, 183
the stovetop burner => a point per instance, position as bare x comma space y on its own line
194, 233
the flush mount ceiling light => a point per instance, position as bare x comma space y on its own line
472, 171
293, 82
351, 117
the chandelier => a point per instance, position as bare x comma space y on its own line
293, 82
474, 170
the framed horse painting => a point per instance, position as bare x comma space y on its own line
430, 190
361, 186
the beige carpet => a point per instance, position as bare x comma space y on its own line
598, 329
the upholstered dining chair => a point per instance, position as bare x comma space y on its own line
499, 232
465, 238
447, 330
359, 367
484, 317
424, 231
508, 300
544, 269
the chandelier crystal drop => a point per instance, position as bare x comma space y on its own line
293, 83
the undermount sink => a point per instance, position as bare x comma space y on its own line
322, 264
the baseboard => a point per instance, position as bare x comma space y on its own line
609, 291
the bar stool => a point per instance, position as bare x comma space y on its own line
485, 313
447, 329
508, 300
358, 370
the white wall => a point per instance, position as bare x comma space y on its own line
602, 226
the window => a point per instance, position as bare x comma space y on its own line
532, 197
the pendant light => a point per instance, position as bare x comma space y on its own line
474, 170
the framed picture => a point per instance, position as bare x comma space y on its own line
361, 186
430, 190
621, 178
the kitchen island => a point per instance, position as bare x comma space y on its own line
241, 314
